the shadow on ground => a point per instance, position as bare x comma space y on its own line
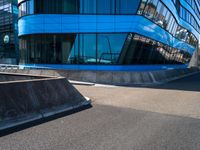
107, 127
41, 121
191, 83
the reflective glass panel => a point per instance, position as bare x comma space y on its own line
88, 6
108, 50
87, 49
105, 6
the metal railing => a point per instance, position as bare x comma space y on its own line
7, 66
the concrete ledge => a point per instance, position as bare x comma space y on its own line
128, 78
34, 97
115, 78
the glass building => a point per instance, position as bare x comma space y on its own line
108, 34
8, 32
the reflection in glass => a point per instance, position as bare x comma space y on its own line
142, 6
150, 9
87, 49
157, 12
107, 49
143, 50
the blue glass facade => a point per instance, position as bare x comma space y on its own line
108, 34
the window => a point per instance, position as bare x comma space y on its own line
70, 6
87, 48
56, 7
108, 50
142, 6
157, 12
158, 16
181, 33
166, 19
193, 4
188, 17
150, 9
141, 50
105, 6
50, 49
174, 28
88, 6
127, 6
99, 49
172, 25
24, 8
74, 53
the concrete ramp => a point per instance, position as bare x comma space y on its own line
25, 98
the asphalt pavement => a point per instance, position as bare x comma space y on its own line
164, 117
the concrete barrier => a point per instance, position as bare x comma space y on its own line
35, 97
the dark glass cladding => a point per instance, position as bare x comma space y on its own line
80, 7
157, 12
103, 49
56, 6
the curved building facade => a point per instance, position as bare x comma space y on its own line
108, 34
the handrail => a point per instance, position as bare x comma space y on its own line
7, 66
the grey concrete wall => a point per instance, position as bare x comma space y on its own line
117, 78
127, 78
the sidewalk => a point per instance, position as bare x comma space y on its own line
181, 97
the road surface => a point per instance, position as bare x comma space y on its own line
165, 117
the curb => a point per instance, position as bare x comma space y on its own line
81, 83
42, 115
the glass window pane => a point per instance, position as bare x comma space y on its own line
127, 6
108, 49
56, 6
88, 6
167, 19
158, 18
73, 54
87, 49
70, 6
150, 8
105, 6
142, 6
